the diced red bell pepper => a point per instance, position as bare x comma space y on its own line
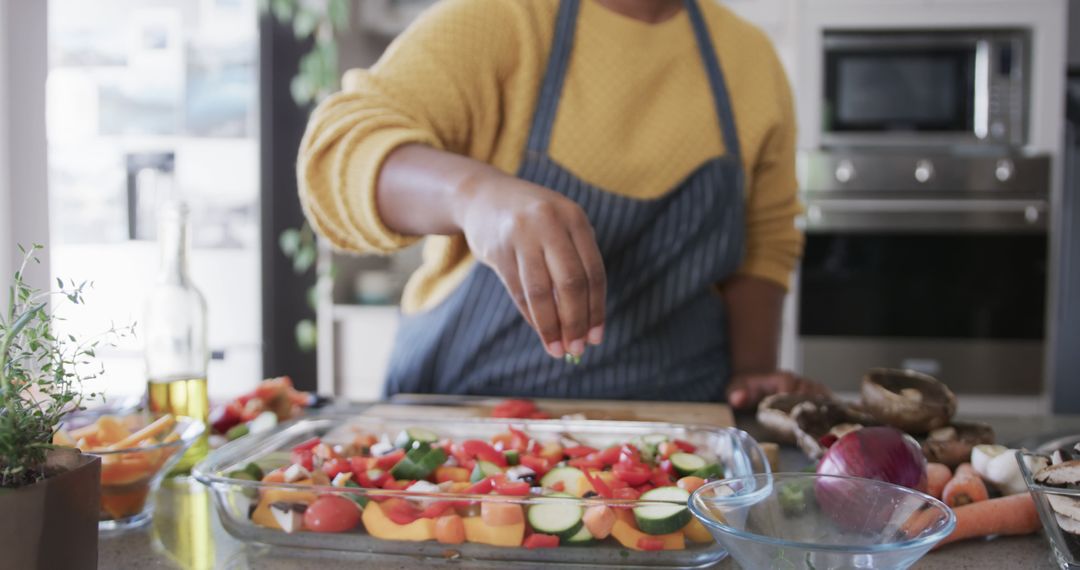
610, 456
392, 484
538, 540
371, 478
483, 451
538, 464
579, 451
515, 488
304, 458
661, 478
400, 511
633, 473
225, 417
334, 467
598, 484
629, 454
644, 488
585, 463
628, 493
360, 464
388, 461
650, 543
519, 440
436, 510
538, 415
684, 446
514, 409
558, 486
307, 445
481, 487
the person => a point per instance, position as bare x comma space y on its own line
612, 180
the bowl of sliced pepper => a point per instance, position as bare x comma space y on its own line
136, 451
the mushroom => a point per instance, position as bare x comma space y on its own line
774, 414
815, 419
908, 400
953, 443
1064, 475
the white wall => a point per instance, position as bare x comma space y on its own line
23, 189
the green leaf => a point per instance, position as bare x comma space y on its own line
312, 295
306, 335
303, 260
289, 241
301, 89
283, 9
338, 13
304, 23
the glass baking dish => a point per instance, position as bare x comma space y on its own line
1066, 545
735, 452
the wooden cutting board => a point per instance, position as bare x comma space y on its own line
419, 406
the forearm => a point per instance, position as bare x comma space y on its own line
754, 310
420, 189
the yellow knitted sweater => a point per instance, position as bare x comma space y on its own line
636, 117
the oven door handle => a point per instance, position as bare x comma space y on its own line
927, 214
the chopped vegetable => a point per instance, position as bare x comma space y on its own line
331, 513
966, 487
537, 540
937, 476
599, 520
450, 529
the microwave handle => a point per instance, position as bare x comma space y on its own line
981, 102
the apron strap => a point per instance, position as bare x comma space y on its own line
716, 79
547, 101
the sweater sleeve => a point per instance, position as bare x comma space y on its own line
773, 243
437, 84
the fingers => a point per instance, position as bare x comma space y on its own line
571, 291
540, 299
747, 390
593, 263
507, 270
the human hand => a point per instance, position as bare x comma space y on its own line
746, 390
542, 247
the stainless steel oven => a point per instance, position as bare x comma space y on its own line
935, 261
896, 88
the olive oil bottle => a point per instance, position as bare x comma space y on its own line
174, 330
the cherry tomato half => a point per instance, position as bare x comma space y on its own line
330, 513
541, 541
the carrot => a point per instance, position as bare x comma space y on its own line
1010, 515
937, 476
966, 487
161, 424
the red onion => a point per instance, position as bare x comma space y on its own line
881, 453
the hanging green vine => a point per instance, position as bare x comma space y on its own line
318, 19
316, 78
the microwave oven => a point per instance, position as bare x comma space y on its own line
905, 88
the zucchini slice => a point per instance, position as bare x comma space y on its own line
661, 518
582, 538
562, 518
415, 437
687, 463
570, 477
483, 470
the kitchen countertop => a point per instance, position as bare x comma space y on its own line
186, 531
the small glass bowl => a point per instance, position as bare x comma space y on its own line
1066, 545
130, 476
805, 520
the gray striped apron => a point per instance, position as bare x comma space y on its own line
665, 328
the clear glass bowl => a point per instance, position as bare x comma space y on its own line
814, 522
129, 477
1066, 545
238, 501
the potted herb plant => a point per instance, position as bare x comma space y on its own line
49, 496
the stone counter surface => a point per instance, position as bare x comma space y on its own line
186, 531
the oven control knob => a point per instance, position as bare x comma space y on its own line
845, 171
1004, 170
924, 171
